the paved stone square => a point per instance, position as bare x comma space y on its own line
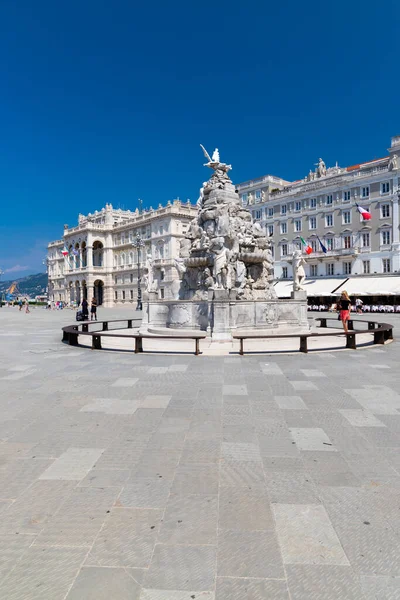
175, 477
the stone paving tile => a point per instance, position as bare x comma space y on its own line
306, 535
249, 554
43, 574
97, 583
31, 510
309, 582
105, 478
244, 509
12, 547
271, 369
361, 418
313, 438
155, 401
125, 382
74, 464
190, 520
145, 493
241, 473
157, 464
300, 386
380, 587
79, 519
288, 487
182, 568
201, 451
175, 595
231, 588
290, 402
127, 539
234, 390
195, 478
240, 451
17, 475
279, 446
111, 406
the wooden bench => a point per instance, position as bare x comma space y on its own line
382, 332
72, 332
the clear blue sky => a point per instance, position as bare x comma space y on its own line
108, 101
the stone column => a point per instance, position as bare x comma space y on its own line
395, 227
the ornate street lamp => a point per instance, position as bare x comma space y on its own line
1, 293
138, 243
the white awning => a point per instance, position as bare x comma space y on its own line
283, 289
322, 287
372, 286
313, 287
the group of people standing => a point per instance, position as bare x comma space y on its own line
93, 309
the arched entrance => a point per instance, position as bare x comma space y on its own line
98, 291
84, 290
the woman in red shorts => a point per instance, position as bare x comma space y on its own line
345, 308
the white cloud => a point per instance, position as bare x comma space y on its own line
16, 269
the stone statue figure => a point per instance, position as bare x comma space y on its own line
151, 284
144, 282
180, 267
214, 161
220, 262
215, 156
199, 202
299, 273
392, 166
321, 168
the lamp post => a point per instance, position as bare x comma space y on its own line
1, 293
138, 243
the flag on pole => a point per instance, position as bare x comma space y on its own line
64, 252
323, 248
307, 248
366, 215
75, 252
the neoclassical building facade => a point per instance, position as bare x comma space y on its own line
98, 258
322, 207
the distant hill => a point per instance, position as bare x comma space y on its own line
31, 285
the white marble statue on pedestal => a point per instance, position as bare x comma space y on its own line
299, 273
220, 262
151, 284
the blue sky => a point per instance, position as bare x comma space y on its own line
108, 101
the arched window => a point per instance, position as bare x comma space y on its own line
131, 258
98, 254
84, 255
123, 258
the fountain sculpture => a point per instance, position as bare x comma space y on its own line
225, 267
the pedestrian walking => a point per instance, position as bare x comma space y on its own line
344, 307
93, 309
359, 305
20, 305
27, 307
85, 309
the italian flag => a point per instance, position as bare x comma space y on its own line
64, 252
307, 248
366, 215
